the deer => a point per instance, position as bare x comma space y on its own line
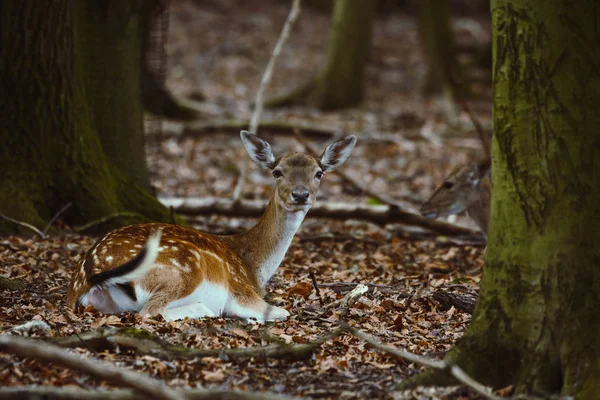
466, 188
179, 272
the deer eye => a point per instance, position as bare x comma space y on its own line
448, 185
277, 173
319, 174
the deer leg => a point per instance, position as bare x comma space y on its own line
194, 310
256, 308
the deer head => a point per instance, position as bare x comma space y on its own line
457, 193
297, 175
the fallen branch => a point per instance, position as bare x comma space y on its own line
464, 302
38, 350
234, 126
442, 365
264, 83
142, 342
73, 393
378, 214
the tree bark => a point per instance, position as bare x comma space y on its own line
535, 322
50, 153
340, 82
437, 44
110, 47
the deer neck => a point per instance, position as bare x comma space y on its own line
264, 246
479, 207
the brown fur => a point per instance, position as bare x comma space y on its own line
464, 189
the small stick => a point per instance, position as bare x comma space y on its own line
264, 83
316, 286
25, 224
62, 210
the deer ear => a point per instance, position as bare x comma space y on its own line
259, 150
337, 152
475, 175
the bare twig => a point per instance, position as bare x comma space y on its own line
378, 214
316, 286
264, 83
74, 393
487, 148
442, 365
31, 348
382, 199
25, 224
62, 210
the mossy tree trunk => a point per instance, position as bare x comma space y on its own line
51, 116
340, 82
437, 44
110, 49
535, 324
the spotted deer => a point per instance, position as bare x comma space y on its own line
179, 272
466, 188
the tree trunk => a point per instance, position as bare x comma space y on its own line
50, 153
535, 324
110, 48
341, 80
437, 44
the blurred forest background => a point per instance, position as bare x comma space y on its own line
122, 112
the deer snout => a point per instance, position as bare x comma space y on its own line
300, 194
428, 211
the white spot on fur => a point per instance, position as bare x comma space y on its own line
109, 259
138, 246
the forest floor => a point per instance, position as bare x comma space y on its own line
217, 51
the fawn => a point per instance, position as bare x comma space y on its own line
466, 188
179, 272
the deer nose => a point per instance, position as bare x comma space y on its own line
300, 194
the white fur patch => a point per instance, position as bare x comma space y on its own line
293, 220
194, 310
213, 296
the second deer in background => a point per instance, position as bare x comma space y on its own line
466, 188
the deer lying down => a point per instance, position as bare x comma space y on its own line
179, 272
466, 188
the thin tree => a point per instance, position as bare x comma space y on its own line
535, 324
340, 82
68, 72
437, 44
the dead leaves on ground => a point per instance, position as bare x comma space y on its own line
398, 309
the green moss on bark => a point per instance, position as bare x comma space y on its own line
51, 154
533, 325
